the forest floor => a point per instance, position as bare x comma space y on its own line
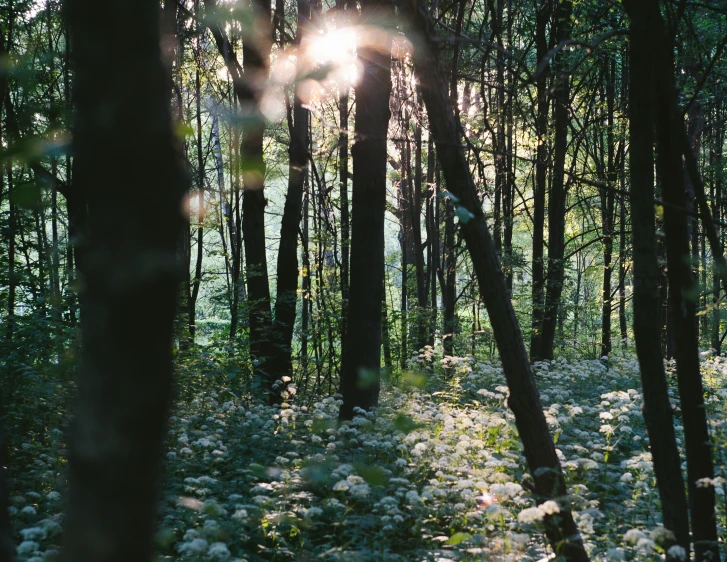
410, 483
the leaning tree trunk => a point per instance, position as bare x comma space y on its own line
524, 399
123, 141
361, 363
657, 408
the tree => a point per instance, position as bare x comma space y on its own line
122, 140
657, 408
361, 364
287, 283
524, 400
248, 84
669, 126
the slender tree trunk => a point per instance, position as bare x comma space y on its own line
130, 264
235, 230
197, 279
524, 400
362, 352
669, 133
716, 150
607, 207
557, 197
416, 230
646, 280
385, 333
305, 289
249, 86
287, 279
449, 294
12, 276
541, 162
433, 235
345, 220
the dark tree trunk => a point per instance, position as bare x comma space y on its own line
449, 294
362, 354
130, 264
255, 58
541, 169
433, 236
404, 232
7, 548
716, 151
197, 279
524, 400
607, 207
249, 86
671, 143
345, 220
12, 276
305, 289
557, 196
235, 230
646, 281
422, 314
287, 283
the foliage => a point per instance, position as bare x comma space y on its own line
412, 481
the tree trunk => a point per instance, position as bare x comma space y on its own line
524, 400
130, 264
557, 196
249, 85
345, 220
449, 294
281, 363
541, 170
669, 133
607, 208
197, 279
646, 281
362, 355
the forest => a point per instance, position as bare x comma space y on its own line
385, 280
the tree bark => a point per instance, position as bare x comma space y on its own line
248, 86
670, 140
281, 363
360, 368
646, 281
524, 400
541, 169
557, 196
122, 139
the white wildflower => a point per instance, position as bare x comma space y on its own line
341, 486
677, 552
530, 515
27, 547
219, 550
195, 546
33, 533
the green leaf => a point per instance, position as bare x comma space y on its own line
373, 475
463, 214
367, 378
405, 424
458, 538
411, 380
